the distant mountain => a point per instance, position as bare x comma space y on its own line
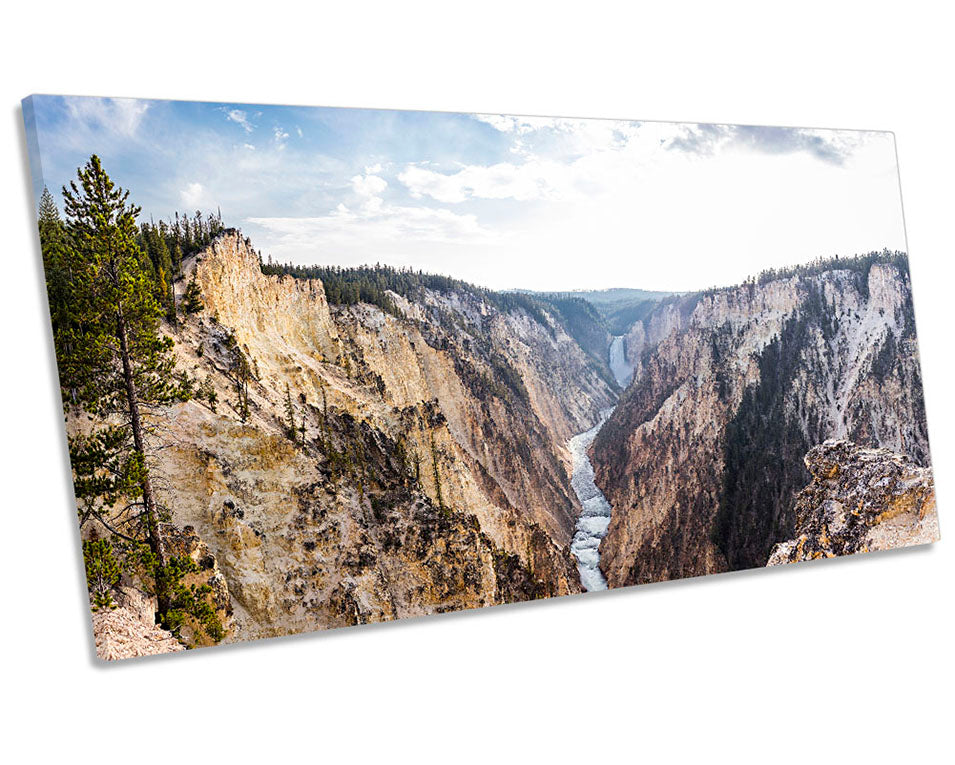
619, 307
616, 296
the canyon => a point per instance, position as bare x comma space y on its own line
454, 448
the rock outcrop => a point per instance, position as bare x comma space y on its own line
127, 627
121, 633
703, 455
186, 545
860, 500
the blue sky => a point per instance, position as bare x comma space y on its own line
541, 203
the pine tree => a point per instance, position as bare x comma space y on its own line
326, 431
155, 246
119, 362
102, 571
290, 429
57, 266
206, 392
175, 254
192, 300
437, 477
240, 372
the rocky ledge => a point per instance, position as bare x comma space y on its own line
123, 633
128, 629
860, 500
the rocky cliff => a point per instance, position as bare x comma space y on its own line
346, 464
704, 453
859, 500
670, 316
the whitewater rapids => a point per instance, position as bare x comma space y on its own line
595, 517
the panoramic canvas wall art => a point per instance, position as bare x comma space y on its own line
323, 367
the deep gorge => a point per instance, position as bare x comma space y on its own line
418, 445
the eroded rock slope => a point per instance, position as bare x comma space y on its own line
704, 453
362, 466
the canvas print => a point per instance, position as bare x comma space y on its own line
323, 367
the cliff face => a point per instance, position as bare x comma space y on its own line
703, 455
645, 335
860, 500
428, 470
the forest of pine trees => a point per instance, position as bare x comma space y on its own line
857, 265
162, 246
370, 284
167, 244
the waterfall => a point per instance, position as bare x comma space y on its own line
621, 369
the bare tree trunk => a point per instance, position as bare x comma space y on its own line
135, 421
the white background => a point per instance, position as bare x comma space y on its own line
846, 659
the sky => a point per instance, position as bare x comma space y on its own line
503, 201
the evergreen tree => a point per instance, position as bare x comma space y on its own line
437, 477
115, 355
54, 246
175, 253
241, 372
192, 300
206, 392
156, 248
290, 429
102, 571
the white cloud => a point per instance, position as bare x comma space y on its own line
608, 204
507, 123
566, 135
192, 195
364, 226
368, 185
561, 159
535, 179
556, 159
834, 146
372, 231
254, 178
646, 215
680, 221
240, 118
118, 115
280, 136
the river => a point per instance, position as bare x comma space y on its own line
595, 517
